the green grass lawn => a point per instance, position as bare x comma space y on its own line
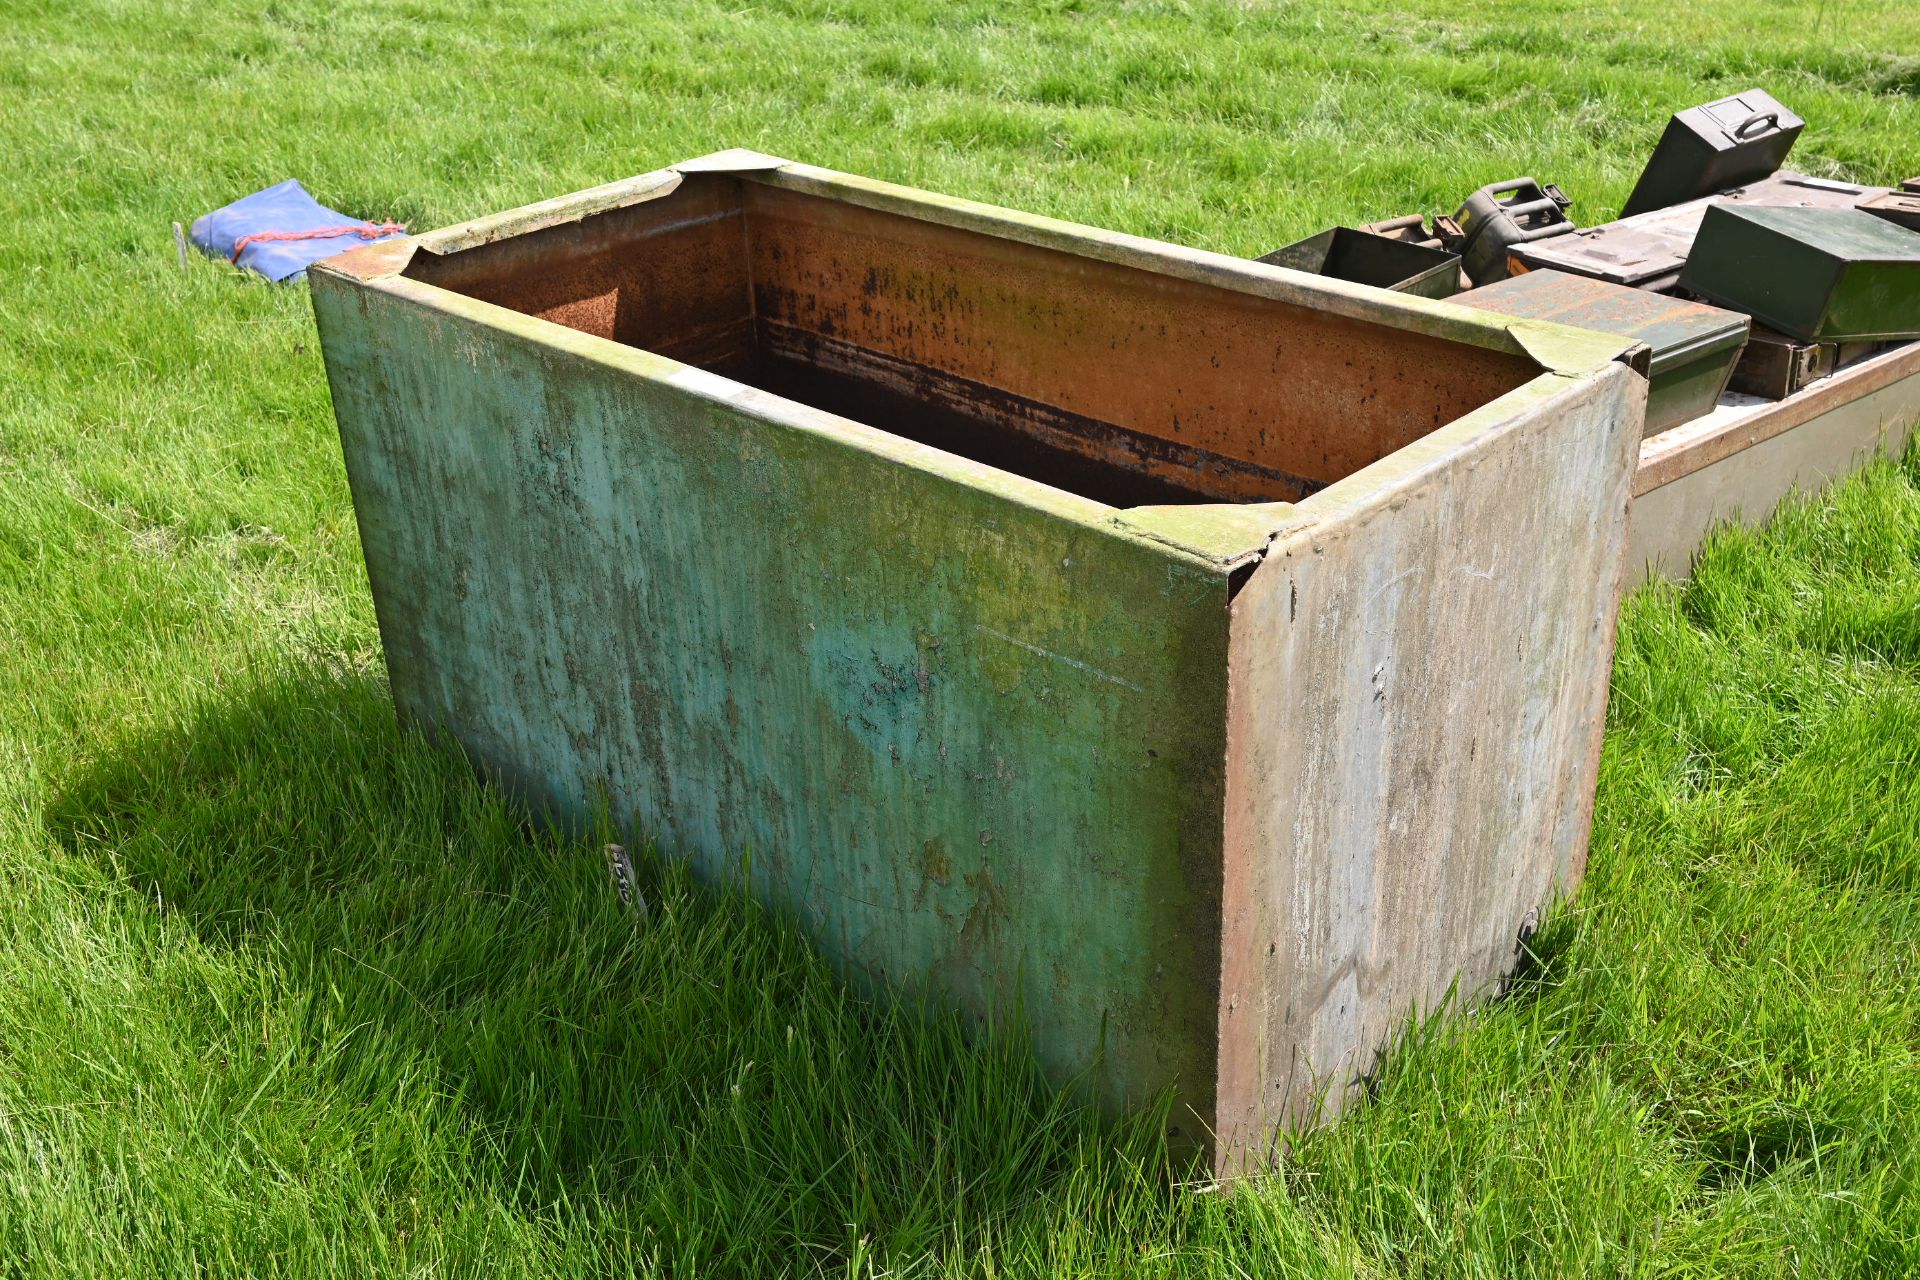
283, 991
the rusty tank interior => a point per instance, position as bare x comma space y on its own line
1117, 383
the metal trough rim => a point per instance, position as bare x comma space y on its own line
1219, 534
1681, 450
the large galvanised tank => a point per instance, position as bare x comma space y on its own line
1202, 662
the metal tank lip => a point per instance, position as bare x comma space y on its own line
1223, 534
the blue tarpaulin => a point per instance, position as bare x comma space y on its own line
277, 211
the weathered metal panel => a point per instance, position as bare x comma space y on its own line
1337, 393
1902, 208
1416, 691
964, 738
1738, 464
1732, 428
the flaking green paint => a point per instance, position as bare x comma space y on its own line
766, 640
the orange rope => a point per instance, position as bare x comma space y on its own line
366, 231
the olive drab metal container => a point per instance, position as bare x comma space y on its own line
1729, 142
1363, 257
1202, 662
1817, 275
1694, 346
1774, 366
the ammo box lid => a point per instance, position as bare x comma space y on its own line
1846, 234
1816, 274
1679, 332
1628, 252
1715, 146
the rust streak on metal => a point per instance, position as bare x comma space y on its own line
665, 275
1114, 343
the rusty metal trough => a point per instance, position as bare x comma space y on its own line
1739, 462
1201, 661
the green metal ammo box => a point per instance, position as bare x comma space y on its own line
1694, 345
1725, 143
1202, 661
1367, 258
1819, 275
1774, 366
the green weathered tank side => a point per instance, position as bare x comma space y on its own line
967, 731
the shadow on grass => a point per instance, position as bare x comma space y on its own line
697, 1081
1540, 960
1741, 1154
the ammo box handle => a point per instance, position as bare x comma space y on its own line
1529, 208
1541, 232
1519, 209
1758, 117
